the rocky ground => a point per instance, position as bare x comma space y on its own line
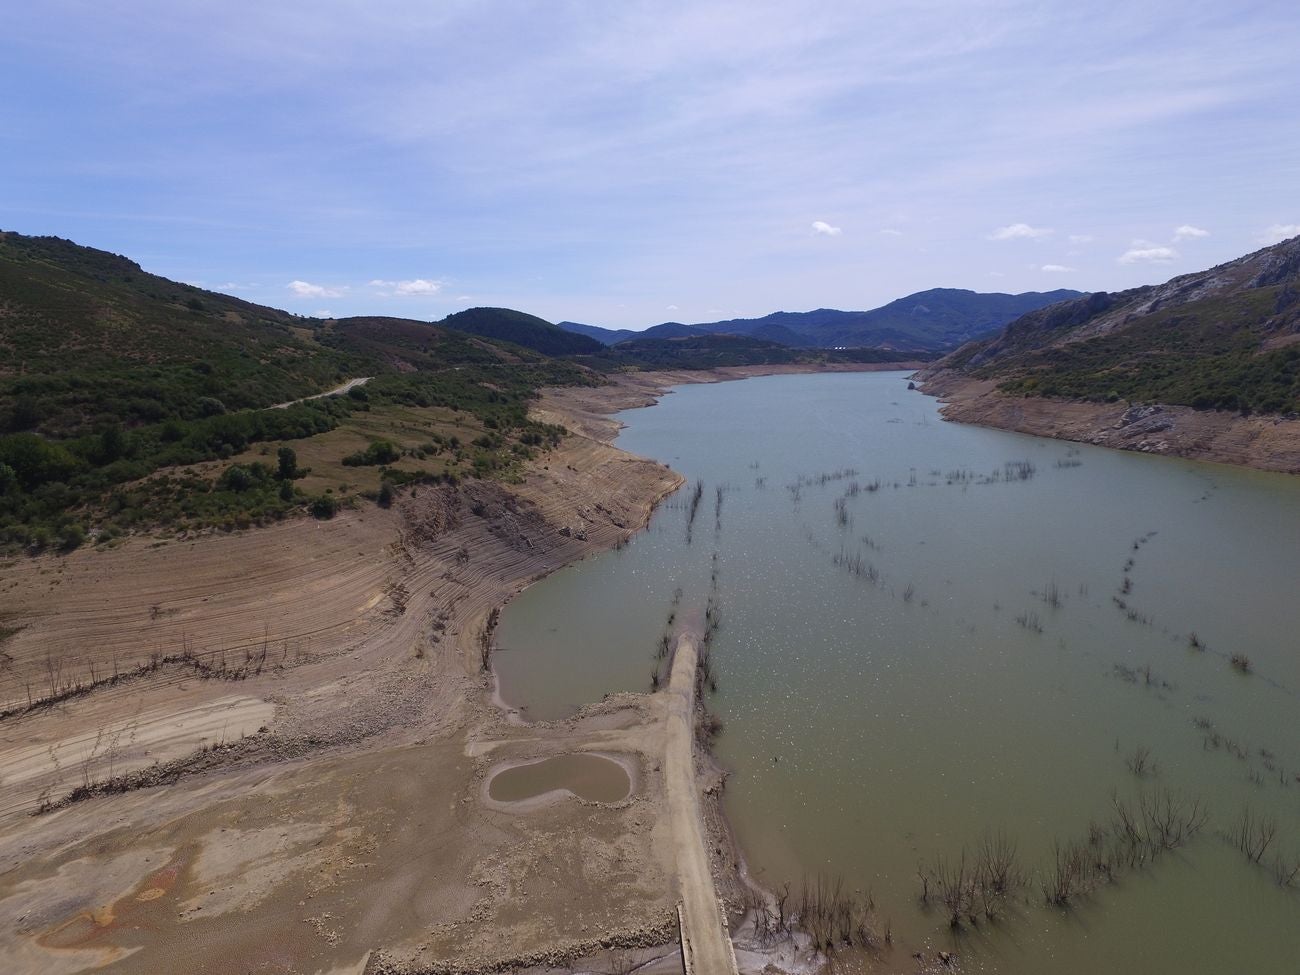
265, 750
1265, 442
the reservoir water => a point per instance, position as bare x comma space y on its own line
933, 634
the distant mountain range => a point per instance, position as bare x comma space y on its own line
926, 322
1227, 339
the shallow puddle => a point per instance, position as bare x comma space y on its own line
590, 777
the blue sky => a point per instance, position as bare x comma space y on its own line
626, 163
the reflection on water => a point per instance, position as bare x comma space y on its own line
591, 777
935, 633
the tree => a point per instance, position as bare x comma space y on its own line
288, 463
385, 494
112, 444
26, 414
325, 507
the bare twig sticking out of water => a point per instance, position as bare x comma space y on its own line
834, 917
1030, 622
1253, 834
1160, 821
696, 497
1287, 871
856, 565
976, 884
1142, 675
664, 648
1240, 662
1052, 595
1139, 762
772, 921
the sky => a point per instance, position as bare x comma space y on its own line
627, 163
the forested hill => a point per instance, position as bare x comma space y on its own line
110, 377
1224, 338
518, 327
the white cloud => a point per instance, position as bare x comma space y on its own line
891, 232
1020, 231
323, 313
1145, 252
406, 289
822, 227
305, 289
1057, 269
1082, 238
672, 308
1188, 232
1279, 232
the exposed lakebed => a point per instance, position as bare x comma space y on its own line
935, 633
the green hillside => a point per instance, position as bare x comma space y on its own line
129, 402
1227, 338
520, 328
88, 338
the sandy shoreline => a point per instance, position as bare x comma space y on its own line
336, 829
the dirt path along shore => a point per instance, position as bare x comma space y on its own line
706, 945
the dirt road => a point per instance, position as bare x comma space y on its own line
706, 945
336, 391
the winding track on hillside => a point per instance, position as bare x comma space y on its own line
336, 391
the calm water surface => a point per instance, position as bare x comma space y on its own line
953, 650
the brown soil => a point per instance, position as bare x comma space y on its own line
280, 741
276, 758
1265, 442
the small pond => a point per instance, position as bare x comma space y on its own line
591, 777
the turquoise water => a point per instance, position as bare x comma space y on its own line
951, 649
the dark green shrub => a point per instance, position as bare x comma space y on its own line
325, 507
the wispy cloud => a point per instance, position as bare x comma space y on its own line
411, 134
406, 289
1145, 252
1279, 232
1021, 231
891, 232
825, 229
1057, 268
1188, 232
305, 289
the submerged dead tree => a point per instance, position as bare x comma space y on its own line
696, 497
